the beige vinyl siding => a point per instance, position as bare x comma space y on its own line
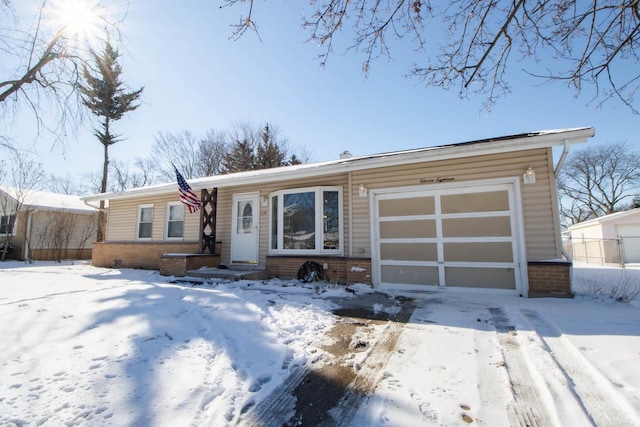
123, 218
225, 195
537, 202
48, 228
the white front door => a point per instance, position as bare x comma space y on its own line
244, 233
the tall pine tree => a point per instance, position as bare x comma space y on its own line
253, 148
268, 153
105, 95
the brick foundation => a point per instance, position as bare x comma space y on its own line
549, 278
179, 264
55, 255
144, 255
338, 269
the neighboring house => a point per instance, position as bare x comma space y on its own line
609, 239
480, 215
48, 226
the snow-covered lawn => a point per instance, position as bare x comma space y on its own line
91, 346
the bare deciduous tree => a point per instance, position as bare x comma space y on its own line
597, 180
180, 149
23, 176
55, 235
43, 60
123, 175
211, 151
63, 234
192, 156
581, 43
62, 185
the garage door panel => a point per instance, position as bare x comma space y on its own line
450, 236
407, 206
489, 201
478, 252
468, 277
476, 227
409, 275
425, 228
409, 252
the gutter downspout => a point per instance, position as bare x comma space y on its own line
94, 207
350, 212
563, 157
27, 237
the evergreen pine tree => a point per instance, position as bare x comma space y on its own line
105, 95
268, 153
239, 157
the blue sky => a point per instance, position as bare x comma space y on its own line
197, 79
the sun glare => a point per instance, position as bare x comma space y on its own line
80, 19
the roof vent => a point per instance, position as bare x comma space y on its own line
345, 155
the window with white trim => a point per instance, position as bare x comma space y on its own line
174, 228
7, 224
306, 220
145, 221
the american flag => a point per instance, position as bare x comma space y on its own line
187, 196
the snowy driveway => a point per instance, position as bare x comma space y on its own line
89, 346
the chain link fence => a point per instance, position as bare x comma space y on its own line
620, 251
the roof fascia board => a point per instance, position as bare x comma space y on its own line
606, 218
421, 155
45, 208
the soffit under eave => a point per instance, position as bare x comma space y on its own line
429, 154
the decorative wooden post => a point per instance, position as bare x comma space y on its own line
208, 215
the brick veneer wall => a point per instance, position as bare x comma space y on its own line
138, 254
179, 264
549, 278
339, 269
359, 270
51, 254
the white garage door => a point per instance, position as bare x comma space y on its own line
630, 236
448, 237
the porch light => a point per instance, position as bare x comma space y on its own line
529, 177
362, 191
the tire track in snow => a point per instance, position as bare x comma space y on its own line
594, 392
528, 410
289, 404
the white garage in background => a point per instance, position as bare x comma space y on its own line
630, 237
450, 235
609, 239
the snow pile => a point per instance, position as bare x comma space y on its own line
84, 345
92, 346
607, 283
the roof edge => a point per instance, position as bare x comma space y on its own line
519, 142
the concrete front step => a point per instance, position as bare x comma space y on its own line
233, 274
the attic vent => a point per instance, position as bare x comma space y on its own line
345, 155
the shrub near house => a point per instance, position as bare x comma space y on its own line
47, 226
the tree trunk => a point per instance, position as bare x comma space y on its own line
103, 188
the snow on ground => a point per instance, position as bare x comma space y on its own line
92, 346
